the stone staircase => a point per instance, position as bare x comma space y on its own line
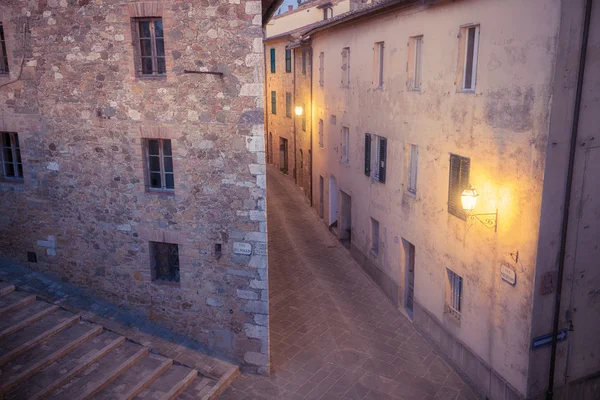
48, 352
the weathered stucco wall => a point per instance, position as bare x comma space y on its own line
502, 128
81, 114
303, 16
302, 98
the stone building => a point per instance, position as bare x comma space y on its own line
133, 159
415, 103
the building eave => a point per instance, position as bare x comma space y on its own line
269, 7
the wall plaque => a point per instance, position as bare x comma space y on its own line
242, 248
508, 275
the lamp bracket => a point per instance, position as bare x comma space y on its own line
490, 220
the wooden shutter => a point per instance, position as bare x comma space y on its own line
382, 158
272, 61
367, 154
288, 60
273, 102
458, 181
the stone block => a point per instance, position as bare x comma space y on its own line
247, 294
214, 302
255, 331
256, 307
254, 358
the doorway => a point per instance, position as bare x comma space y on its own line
321, 195
333, 202
345, 234
409, 287
283, 155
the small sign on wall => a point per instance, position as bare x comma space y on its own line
242, 248
508, 275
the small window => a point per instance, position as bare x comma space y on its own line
321, 136
378, 70
273, 102
165, 261
346, 67
303, 62
375, 157
304, 117
272, 61
345, 145
288, 60
454, 295
288, 104
159, 162
374, 236
415, 62
458, 181
3, 53
11, 156
322, 69
412, 168
152, 46
470, 37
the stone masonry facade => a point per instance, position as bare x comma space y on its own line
84, 111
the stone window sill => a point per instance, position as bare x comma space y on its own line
167, 283
17, 181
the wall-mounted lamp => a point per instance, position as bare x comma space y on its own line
469, 200
299, 110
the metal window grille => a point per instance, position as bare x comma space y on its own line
288, 60
3, 53
11, 156
458, 181
165, 261
454, 301
412, 170
288, 104
273, 102
159, 159
152, 46
471, 50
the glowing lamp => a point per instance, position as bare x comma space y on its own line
298, 110
469, 199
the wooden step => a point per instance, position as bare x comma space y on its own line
6, 288
14, 301
64, 369
100, 374
31, 362
27, 321
131, 382
170, 384
46, 334
22, 314
201, 388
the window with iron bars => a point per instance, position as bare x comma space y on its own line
11, 156
165, 261
151, 46
3, 54
159, 164
454, 297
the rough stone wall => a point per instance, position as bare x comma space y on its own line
81, 114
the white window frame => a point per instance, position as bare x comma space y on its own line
379, 48
345, 145
413, 165
455, 287
346, 73
163, 173
321, 133
15, 152
418, 62
475, 54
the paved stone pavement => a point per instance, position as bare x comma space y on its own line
334, 334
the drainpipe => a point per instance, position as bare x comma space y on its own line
311, 120
294, 119
568, 188
266, 87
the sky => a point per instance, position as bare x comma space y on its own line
285, 4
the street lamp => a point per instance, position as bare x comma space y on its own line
299, 110
468, 199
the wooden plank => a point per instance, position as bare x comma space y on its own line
113, 374
19, 304
181, 385
6, 290
49, 359
34, 318
137, 389
36, 340
222, 384
63, 380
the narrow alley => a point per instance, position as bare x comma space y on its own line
334, 335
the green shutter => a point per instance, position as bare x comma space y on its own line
272, 61
382, 158
367, 154
458, 181
273, 102
288, 60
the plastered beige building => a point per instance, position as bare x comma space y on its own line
413, 102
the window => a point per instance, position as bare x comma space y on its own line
304, 117
415, 62
288, 104
321, 138
288, 60
374, 236
378, 71
152, 46
165, 261
3, 53
471, 44
327, 13
345, 145
11, 156
413, 157
454, 295
346, 67
159, 159
375, 157
322, 69
459, 181
272, 61
273, 102
303, 62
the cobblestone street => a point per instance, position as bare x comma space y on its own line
334, 335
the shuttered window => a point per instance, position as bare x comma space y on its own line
272, 61
382, 158
322, 69
459, 181
273, 102
375, 157
288, 60
412, 168
346, 67
304, 62
304, 117
288, 104
321, 134
367, 154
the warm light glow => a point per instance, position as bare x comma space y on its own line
469, 199
299, 110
